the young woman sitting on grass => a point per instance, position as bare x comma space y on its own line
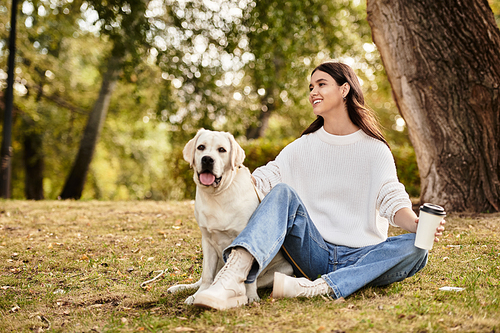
330, 197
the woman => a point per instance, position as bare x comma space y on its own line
331, 195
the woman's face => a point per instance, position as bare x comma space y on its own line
325, 94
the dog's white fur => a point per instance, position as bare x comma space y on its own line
223, 208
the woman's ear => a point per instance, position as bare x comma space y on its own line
345, 89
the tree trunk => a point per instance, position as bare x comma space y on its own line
6, 150
74, 184
442, 59
259, 130
34, 163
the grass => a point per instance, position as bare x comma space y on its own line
68, 266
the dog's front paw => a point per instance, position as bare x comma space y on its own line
253, 298
174, 289
189, 300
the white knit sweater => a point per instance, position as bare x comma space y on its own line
348, 184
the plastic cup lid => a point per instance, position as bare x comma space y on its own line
432, 209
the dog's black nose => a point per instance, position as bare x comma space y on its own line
207, 161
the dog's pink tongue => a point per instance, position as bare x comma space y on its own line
207, 178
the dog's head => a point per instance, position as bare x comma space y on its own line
213, 156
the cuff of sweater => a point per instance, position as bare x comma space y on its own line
396, 207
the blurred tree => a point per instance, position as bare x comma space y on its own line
286, 39
126, 25
445, 75
40, 42
233, 65
6, 149
214, 66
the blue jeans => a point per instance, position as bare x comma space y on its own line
282, 222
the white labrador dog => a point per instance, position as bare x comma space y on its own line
225, 200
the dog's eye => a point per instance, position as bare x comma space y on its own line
221, 150
201, 147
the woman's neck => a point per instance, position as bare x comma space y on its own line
342, 126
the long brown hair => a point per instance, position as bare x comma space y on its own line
360, 115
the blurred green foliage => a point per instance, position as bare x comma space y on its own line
224, 65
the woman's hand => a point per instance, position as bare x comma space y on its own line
439, 231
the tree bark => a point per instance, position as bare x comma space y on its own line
74, 185
442, 59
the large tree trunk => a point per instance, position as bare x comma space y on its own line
74, 184
443, 62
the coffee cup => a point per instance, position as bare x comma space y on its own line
429, 219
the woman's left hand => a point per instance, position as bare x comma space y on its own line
439, 231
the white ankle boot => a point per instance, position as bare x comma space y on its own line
287, 286
228, 289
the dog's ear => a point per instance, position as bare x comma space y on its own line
237, 153
190, 147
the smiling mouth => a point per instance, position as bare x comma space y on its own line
317, 101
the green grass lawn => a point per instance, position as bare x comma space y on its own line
71, 266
